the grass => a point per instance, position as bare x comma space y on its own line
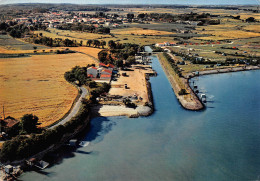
139, 31
10, 44
36, 85
75, 35
171, 71
255, 28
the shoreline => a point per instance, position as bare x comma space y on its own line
106, 110
223, 70
120, 110
196, 104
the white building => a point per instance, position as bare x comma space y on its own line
92, 72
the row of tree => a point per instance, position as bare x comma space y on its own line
96, 43
20, 30
84, 28
173, 64
119, 54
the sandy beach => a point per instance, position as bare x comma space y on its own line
120, 110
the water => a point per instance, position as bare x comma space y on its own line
221, 143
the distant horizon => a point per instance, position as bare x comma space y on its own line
136, 2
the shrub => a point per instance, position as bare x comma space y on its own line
182, 92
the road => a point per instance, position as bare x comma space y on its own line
74, 110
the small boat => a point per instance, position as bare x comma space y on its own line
41, 164
84, 143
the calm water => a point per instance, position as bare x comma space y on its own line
221, 143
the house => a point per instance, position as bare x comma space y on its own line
108, 66
165, 44
106, 72
103, 72
139, 58
92, 72
9, 125
106, 76
172, 43
159, 45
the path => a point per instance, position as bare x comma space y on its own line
74, 110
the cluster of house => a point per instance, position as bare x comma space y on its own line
8, 125
165, 44
53, 19
142, 59
102, 73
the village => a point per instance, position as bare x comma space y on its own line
93, 63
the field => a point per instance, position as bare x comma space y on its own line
227, 31
76, 35
10, 43
255, 28
36, 85
139, 31
122, 35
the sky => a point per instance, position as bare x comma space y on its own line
183, 2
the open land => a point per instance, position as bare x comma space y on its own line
36, 85
137, 85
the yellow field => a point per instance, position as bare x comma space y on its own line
16, 51
226, 31
87, 50
245, 15
139, 31
255, 28
36, 85
121, 35
63, 34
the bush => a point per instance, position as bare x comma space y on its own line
182, 92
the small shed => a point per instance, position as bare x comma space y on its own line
8, 169
31, 161
73, 142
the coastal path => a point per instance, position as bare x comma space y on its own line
74, 110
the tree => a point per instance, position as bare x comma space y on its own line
89, 42
142, 15
111, 44
96, 43
250, 19
92, 84
130, 16
102, 55
103, 43
182, 92
29, 123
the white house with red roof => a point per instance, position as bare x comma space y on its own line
165, 44
101, 73
92, 72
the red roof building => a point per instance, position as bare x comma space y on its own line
102, 65
105, 76
107, 71
90, 75
110, 65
